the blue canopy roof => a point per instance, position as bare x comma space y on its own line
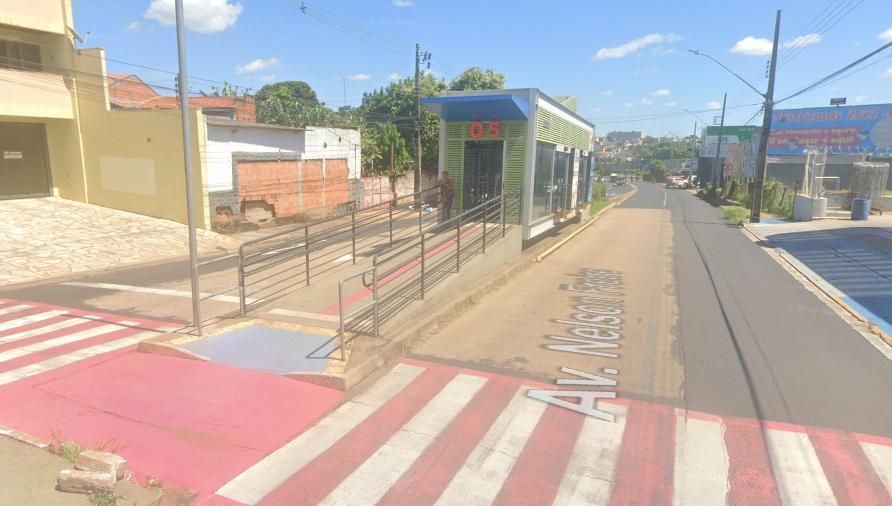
478, 107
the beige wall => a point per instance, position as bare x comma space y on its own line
43, 15
133, 160
35, 94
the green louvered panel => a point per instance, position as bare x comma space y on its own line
515, 156
556, 130
455, 158
514, 135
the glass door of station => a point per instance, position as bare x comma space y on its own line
543, 178
482, 173
560, 181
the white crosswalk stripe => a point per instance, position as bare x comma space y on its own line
58, 341
797, 469
376, 475
482, 467
701, 462
71, 357
40, 330
10, 310
481, 478
259, 480
591, 469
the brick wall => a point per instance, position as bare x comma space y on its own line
270, 181
292, 186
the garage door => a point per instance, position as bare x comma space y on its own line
23, 165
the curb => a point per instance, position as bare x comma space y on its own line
825, 287
25, 438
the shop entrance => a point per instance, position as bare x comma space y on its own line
482, 178
23, 167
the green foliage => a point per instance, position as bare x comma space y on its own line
597, 205
227, 90
664, 150
657, 170
102, 498
599, 191
293, 103
377, 142
735, 215
777, 199
476, 78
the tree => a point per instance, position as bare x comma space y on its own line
657, 170
291, 103
476, 78
382, 141
395, 104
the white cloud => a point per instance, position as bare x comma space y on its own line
888, 73
803, 40
886, 36
634, 45
630, 104
860, 99
646, 101
714, 104
258, 64
394, 77
671, 104
752, 46
134, 26
606, 93
403, 3
202, 16
358, 77
662, 92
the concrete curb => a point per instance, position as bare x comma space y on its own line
25, 438
824, 286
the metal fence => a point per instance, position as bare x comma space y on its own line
406, 272
275, 265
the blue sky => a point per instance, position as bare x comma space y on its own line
625, 61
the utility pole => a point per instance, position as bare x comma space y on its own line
716, 169
183, 91
417, 118
761, 159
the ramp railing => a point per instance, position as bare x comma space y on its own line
405, 273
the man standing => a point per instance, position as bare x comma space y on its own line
447, 196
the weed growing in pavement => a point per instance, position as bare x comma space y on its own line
735, 215
65, 448
102, 498
405, 348
110, 446
154, 484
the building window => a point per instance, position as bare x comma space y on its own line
19, 55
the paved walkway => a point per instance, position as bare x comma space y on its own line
50, 237
853, 257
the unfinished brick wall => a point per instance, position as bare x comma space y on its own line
271, 181
292, 186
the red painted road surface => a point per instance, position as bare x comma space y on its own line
194, 424
427, 433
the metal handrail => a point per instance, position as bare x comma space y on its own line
492, 210
343, 317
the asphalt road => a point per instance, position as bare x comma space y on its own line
754, 341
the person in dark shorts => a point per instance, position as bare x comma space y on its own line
447, 196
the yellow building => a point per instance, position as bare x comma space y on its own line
59, 136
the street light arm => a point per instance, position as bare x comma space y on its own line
701, 120
744, 81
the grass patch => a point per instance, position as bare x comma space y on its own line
735, 215
597, 205
66, 448
102, 499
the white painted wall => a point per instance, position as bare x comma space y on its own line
327, 143
223, 140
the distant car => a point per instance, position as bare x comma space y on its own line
677, 182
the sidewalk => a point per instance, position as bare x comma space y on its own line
850, 260
47, 238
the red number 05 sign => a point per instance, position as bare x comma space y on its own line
493, 129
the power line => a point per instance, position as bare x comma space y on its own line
835, 74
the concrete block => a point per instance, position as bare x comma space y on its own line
104, 462
84, 482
